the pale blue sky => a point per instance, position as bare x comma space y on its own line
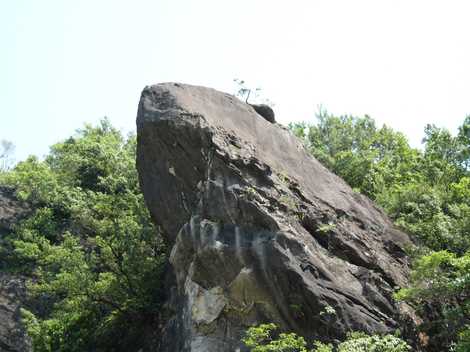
63, 62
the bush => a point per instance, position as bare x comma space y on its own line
263, 338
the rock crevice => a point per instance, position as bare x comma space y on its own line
258, 229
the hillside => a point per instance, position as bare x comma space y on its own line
212, 223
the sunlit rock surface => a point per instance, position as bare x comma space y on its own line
259, 230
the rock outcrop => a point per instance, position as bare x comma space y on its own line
259, 230
13, 337
265, 111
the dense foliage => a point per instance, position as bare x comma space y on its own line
427, 193
262, 338
89, 246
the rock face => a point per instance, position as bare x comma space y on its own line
259, 230
264, 110
12, 288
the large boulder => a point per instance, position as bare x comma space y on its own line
259, 230
13, 336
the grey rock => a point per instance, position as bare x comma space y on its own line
265, 111
259, 230
13, 336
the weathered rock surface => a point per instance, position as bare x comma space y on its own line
259, 230
266, 111
13, 337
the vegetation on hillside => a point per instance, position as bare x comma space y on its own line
89, 247
95, 260
264, 338
427, 193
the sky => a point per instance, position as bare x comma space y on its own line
64, 62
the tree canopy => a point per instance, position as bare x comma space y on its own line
91, 251
426, 192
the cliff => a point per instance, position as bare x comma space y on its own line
259, 230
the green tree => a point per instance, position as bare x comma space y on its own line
262, 338
442, 156
360, 342
426, 192
442, 280
89, 246
370, 159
